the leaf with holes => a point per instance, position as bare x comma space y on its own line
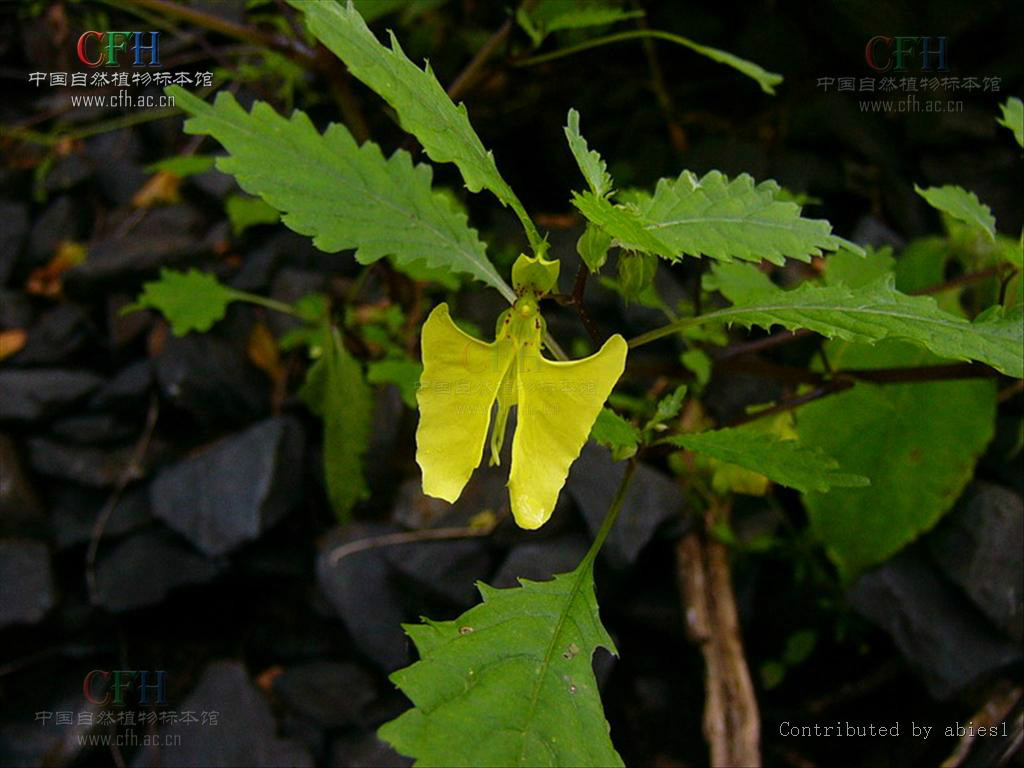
509, 682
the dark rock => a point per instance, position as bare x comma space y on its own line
125, 328
244, 734
15, 310
331, 694
118, 175
360, 589
233, 490
56, 336
67, 172
127, 391
28, 591
939, 633
12, 236
59, 222
74, 511
364, 751
978, 547
19, 506
540, 560
257, 271
214, 183
93, 429
165, 238
95, 467
486, 491
652, 499
212, 380
143, 569
42, 393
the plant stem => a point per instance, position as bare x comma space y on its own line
465, 78
613, 513
263, 301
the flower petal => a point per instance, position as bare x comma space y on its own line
458, 387
558, 404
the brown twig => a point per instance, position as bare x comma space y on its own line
575, 301
465, 78
130, 472
998, 708
408, 537
732, 724
831, 387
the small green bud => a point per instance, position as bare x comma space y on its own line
536, 274
636, 272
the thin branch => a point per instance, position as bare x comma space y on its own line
732, 723
828, 388
465, 78
408, 537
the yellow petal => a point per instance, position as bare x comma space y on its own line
458, 387
557, 405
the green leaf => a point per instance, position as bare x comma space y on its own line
191, 301
547, 16
713, 216
786, 462
1013, 118
341, 194
422, 106
509, 682
244, 212
615, 433
592, 166
183, 165
669, 406
336, 392
918, 444
870, 314
405, 374
961, 205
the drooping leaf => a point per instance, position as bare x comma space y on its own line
870, 314
546, 16
509, 682
422, 106
615, 433
183, 165
191, 301
244, 212
592, 166
336, 391
918, 444
1013, 118
786, 462
713, 216
341, 194
961, 205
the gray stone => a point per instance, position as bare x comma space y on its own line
94, 467
55, 336
145, 567
245, 734
940, 634
74, 511
20, 510
28, 592
42, 393
331, 694
541, 560
233, 490
12, 235
978, 546
652, 500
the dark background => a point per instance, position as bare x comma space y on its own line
294, 652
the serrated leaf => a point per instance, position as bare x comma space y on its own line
961, 205
336, 391
870, 314
615, 433
786, 462
191, 301
341, 194
422, 106
918, 443
669, 406
591, 165
509, 682
715, 217
549, 16
1013, 118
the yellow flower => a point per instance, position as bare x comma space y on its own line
556, 405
